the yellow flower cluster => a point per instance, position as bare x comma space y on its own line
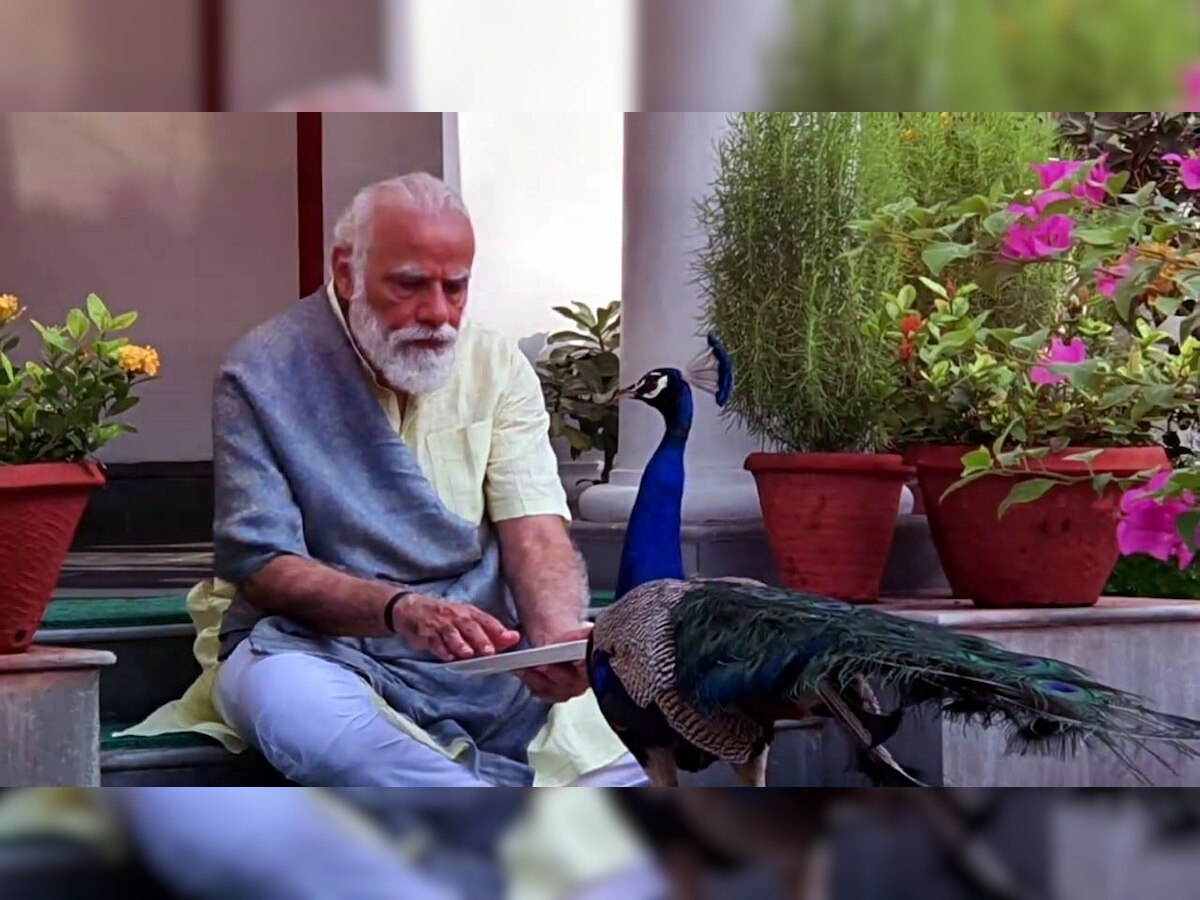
138, 360
908, 134
9, 307
947, 120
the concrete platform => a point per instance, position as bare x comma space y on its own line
50, 716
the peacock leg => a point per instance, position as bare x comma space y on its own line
753, 772
845, 716
661, 768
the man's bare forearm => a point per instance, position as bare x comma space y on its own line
545, 574
320, 597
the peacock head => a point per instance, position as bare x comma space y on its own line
668, 391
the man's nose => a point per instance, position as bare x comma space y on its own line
434, 309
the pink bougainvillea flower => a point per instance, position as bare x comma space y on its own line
1039, 240
1108, 277
1052, 172
1093, 188
1148, 525
1038, 205
1061, 354
1189, 169
1190, 80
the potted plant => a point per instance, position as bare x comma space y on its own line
1040, 430
579, 370
54, 414
787, 302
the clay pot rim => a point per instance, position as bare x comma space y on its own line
879, 465
51, 474
1124, 461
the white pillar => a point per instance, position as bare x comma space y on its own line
669, 163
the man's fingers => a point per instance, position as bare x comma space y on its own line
438, 648
501, 637
476, 637
455, 642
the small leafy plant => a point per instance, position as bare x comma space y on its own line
580, 378
59, 408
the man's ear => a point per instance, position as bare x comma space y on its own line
343, 275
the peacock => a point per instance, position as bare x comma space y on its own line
689, 672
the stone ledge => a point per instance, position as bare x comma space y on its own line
962, 614
42, 658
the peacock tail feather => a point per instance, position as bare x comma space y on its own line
734, 644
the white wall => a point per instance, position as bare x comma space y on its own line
544, 191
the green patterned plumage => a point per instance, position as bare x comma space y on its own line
735, 641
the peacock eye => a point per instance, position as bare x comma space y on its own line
654, 386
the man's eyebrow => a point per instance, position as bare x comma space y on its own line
416, 273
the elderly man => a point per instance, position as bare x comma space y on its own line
386, 500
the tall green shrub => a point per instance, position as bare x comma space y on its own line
782, 292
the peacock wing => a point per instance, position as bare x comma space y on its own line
638, 635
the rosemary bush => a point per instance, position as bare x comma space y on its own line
780, 289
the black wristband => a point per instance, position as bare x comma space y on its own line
390, 609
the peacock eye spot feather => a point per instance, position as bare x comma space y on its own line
1061, 687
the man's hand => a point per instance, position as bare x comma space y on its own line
450, 630
561, 681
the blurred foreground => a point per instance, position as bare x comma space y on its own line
649, 55
594, 845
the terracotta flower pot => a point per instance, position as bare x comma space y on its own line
830, 518
1058, 550
40, 508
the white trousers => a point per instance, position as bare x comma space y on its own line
288, 844
319, 724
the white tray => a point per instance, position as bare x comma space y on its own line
571, 651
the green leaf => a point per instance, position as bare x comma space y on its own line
1032, 343
1025, 492
123, 321
934, 286
1103, 237
54, 339
906, 296
1188, 526
1122, 393
997, 223
1086, 456
977, 460
77, 324
1168, 306
938, 256
98, 312
1101, 483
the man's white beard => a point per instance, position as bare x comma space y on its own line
402, 366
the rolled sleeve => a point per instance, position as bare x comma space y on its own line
522, 471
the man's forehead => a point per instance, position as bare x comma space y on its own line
425, 270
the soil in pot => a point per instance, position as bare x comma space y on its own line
830, 518
1058, 550
40, 508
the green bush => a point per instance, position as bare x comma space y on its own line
780, 290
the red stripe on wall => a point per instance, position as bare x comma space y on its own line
212, 55
310, 203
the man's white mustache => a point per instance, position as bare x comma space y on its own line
402, 337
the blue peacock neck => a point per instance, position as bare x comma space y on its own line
653, 541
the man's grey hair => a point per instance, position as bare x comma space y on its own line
417, 192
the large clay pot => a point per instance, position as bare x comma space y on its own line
830, 518
40, 508
1058, 550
